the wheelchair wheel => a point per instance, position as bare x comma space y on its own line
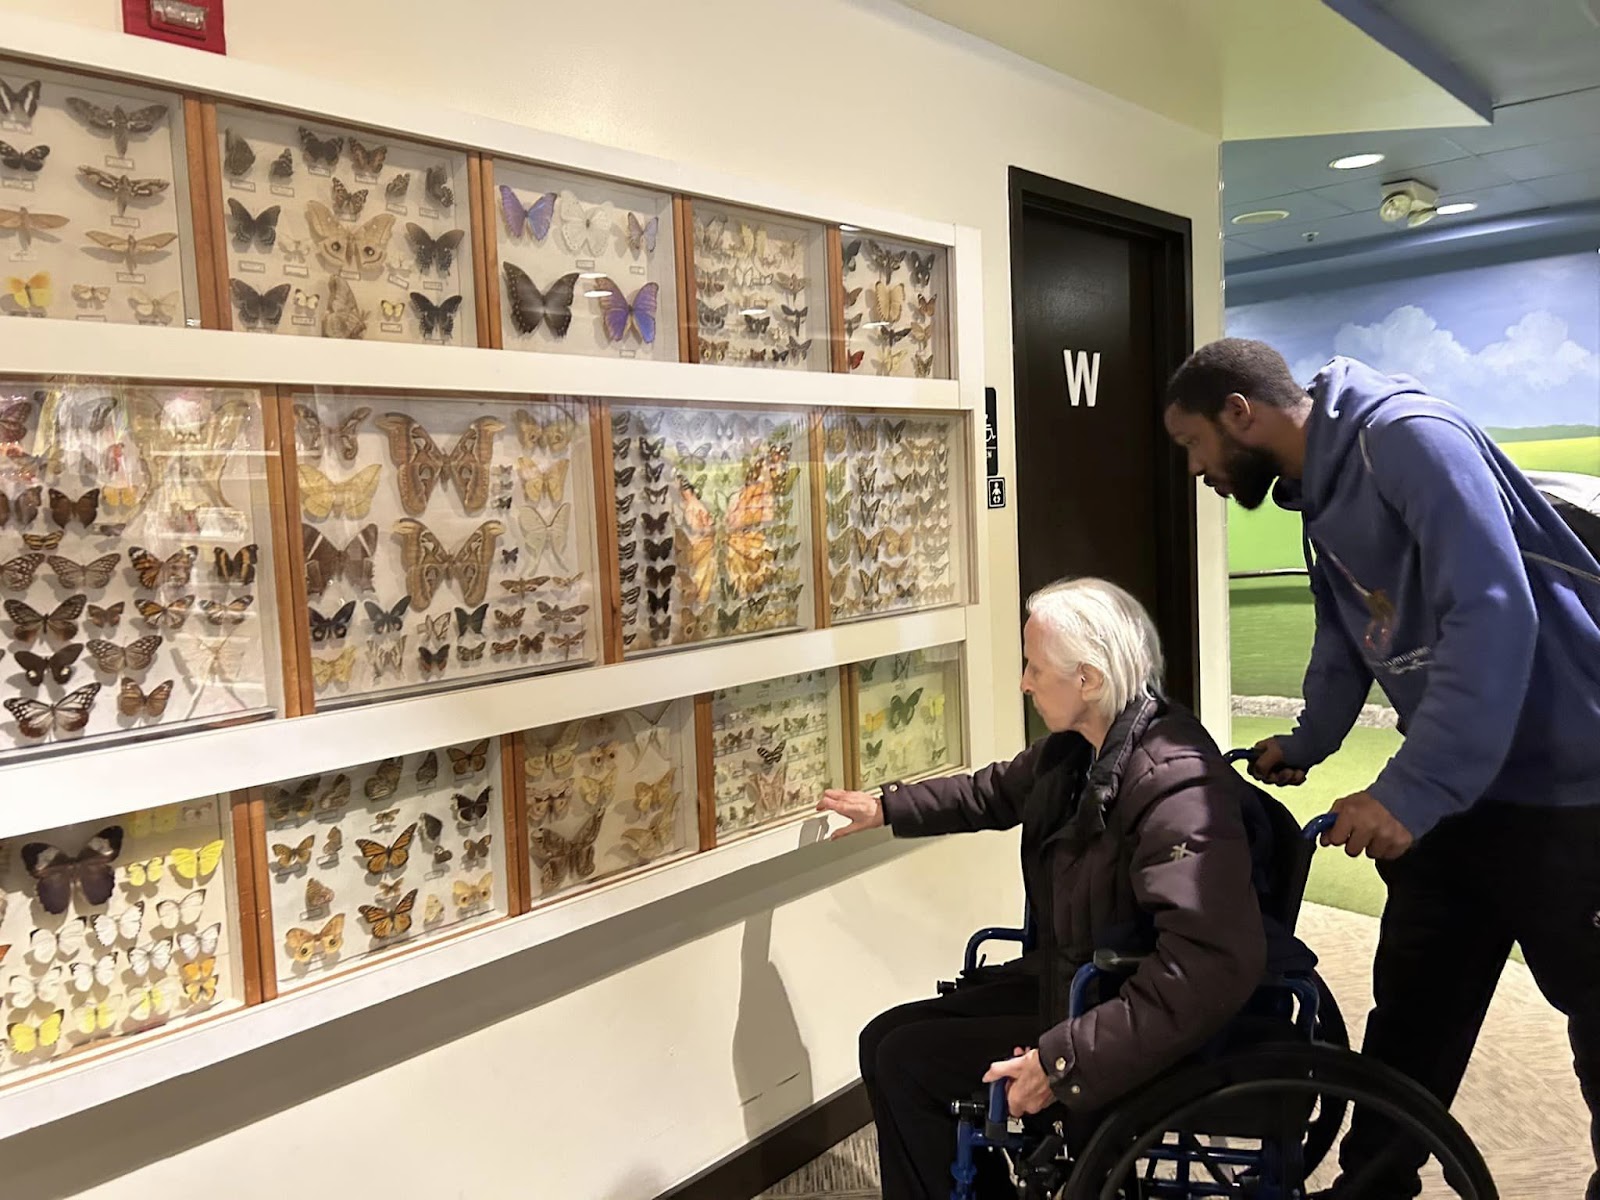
1163, 1141
1323, 1129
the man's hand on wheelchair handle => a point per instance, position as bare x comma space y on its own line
1030, 1090
1268, 766
862, 810
1366, 825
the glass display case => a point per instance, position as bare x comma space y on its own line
587, 265
760, 287
712, 523
908, 715
112, 928
775, 746
361, 862
135, 555
895, 488
444, 539
608, 795
341, 233
896, 306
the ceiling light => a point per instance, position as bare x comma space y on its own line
1351, 162
1451, 210
1263, 216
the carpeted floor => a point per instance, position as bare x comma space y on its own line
1520, 1101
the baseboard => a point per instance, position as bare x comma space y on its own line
781, 1151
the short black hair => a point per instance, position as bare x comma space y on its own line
1214, 372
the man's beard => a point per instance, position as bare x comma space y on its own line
1251, 474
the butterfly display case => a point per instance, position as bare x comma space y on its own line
587, 265
608, 795
760, 288
444, 540
332, 232
94, 200
116, 927
361, 862
896, 307
135, 560
895, 488
775, 746
712, 524
908, 715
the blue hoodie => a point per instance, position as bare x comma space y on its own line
1443, 574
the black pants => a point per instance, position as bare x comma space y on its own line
917, 1058
1457, 902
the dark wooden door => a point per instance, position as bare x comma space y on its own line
1100, 317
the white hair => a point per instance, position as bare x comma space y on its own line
1091, 622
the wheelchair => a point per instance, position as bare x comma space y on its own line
1251, 1116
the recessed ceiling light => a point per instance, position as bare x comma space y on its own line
1461, 206
1264, 216
1351, 162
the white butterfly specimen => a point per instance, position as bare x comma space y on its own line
125, 925
152, 956
149, 1001
157, 310
47, 987
66, 942
102, 971
182, 912
198, 945
648, 733
585, 228
546, 537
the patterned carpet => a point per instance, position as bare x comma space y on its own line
1520, 1101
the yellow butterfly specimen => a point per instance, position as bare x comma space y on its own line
153, 820
28, 1036
555, 755
649, 841
886, 303
196, 863
143, 874
390, 922
474, 895
432, 910
148, 1000
304, 945
554, 435
33, 294
199, 980
872, 722
333, 670
97, 1018
322, 497
650, 797
291, 857
537, 484
595, 790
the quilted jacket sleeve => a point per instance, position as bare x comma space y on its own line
991, 798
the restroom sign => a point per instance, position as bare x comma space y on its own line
997, 491
1083, 376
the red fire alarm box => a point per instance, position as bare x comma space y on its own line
196, 23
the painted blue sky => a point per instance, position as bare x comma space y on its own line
1515, 344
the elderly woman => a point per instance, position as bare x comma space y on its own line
1133, 837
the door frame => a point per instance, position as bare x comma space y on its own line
1171, 236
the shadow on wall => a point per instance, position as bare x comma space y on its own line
97, 1146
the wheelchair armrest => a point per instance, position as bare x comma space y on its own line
995, 933
1106, 964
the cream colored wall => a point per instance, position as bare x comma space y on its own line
619, 1061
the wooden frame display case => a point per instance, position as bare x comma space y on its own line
380, 857
585, 265
895, 306
892, 486
116, 927
443, 539
94, 200
347, 233
135, 553
609, 795
758, 282
908, 715
775, 746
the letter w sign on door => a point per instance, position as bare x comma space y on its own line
1083, 376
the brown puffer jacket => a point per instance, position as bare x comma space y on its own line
1142, 849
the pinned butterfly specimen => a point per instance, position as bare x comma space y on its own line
654, 838
558, 858
19, 104
144, 874
290, 858
922, 365
657, 795
712, 318
469, 760
194, 864
303, 945
902, 709
437, 318
61, 623
398, 187
388, 620
259, 230
331, 628
282, 167
90, 295
585, 229
152, 956
259, 310
474, 895
58, 666
326, 671
91, 870
318, 895
886, 303
849, 251
164, 616
392, 310
731, 545
321, 497
855, 359
199, 980
618, 314
28, 223
17, 573
122, 188
422, 464
362, 249
320, 151
387, 659
326, 563
31, 295
134, 701
154, 310
116, 121
347, 205
430, 251
883, 260
389, 922
428, 769
345, 317
921, 268
367, 160
237, 155
470, 811
229, 612
177, 568
435, 629
238, 567
534, 217
96, 574
642, 235
530, 306
546, 536
130, 247
436, 182
428, 563
393, 857
37, 718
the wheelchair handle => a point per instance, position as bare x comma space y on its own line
995, 1126
1312, 829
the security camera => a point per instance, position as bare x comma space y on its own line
1409, 200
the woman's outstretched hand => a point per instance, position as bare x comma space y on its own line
863, 811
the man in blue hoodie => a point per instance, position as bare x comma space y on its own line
1440, 572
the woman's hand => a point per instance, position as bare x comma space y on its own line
1030, 1090
860, 809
